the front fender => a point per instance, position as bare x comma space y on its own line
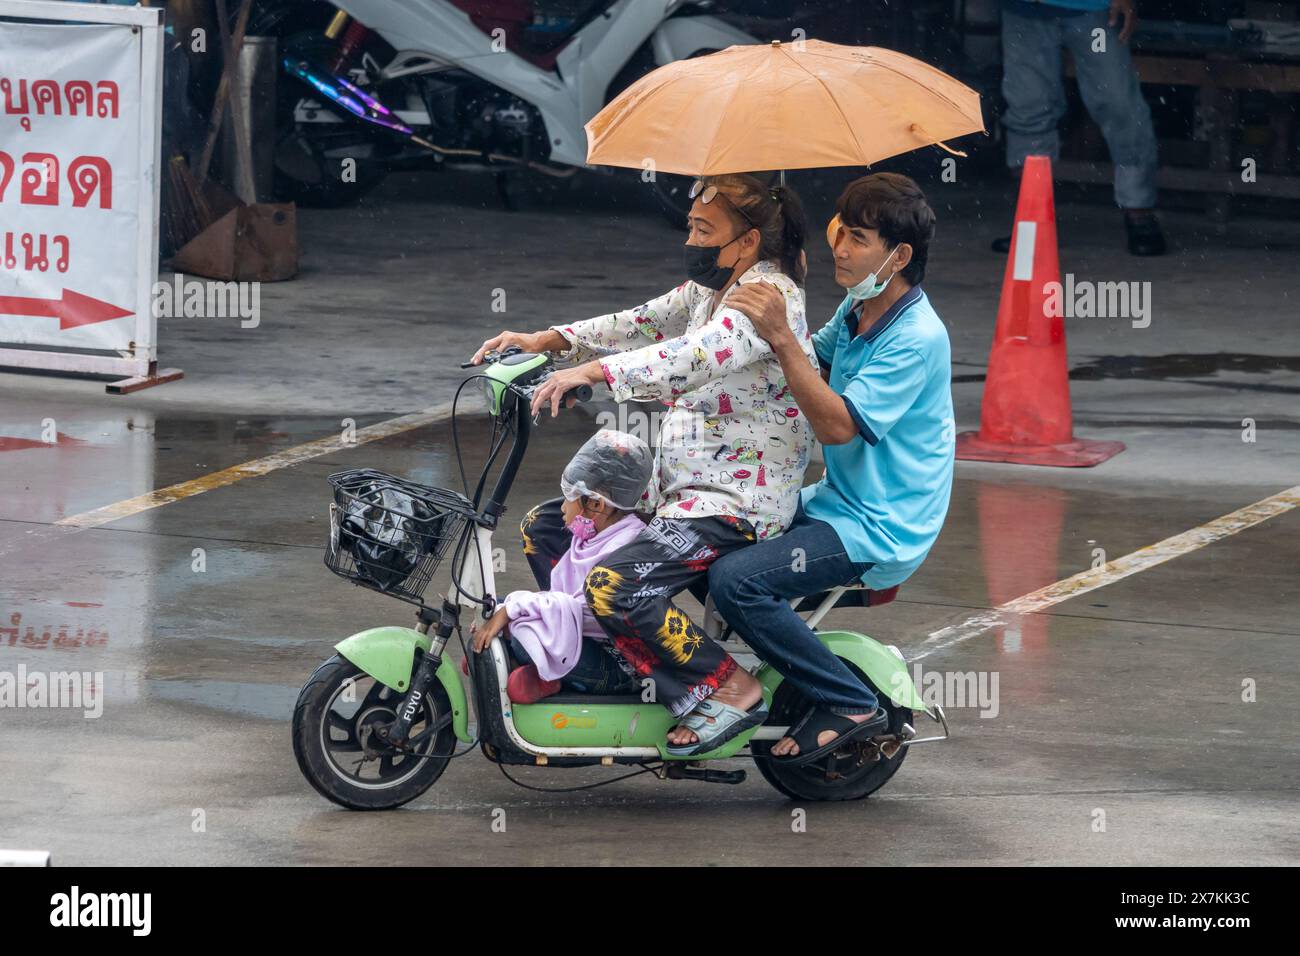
885, 669
388, 655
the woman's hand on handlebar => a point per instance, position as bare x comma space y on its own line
547, 341
551, 391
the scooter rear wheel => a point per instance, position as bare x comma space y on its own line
859, 775
334, 724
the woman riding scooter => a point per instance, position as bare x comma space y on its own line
732, 448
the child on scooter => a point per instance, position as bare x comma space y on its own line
601, 485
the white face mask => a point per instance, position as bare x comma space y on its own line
867, 288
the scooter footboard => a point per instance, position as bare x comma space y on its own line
388, 655
883, 667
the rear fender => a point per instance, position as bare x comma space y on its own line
886, 669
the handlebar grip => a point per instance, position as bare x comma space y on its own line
581, 392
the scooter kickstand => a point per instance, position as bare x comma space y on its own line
679, 770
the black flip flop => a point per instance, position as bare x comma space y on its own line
817, 721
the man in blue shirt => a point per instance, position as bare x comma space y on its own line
882, 409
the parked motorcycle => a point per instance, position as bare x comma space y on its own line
377, 723
484, 85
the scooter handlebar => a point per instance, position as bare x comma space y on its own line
580, 393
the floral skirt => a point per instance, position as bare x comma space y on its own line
631, 593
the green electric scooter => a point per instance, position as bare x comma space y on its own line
377, 723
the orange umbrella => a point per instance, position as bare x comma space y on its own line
781, 106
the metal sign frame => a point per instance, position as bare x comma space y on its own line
139, 360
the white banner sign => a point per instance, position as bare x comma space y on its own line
78, 191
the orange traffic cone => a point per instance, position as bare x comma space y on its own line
1025, 418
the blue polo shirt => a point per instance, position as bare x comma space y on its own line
886, 492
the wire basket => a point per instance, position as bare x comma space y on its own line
390, 534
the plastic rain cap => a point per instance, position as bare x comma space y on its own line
612, 466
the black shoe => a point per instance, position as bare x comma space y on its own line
1145, 237
1001, 244
818, 719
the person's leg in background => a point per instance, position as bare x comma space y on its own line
1112, 93
752, 589
1033, 90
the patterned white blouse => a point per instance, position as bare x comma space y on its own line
733, 442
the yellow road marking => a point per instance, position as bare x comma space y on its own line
252, 469
1111, 571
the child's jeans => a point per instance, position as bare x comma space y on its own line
596, 671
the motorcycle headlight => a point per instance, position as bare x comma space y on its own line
491, 390
514, 369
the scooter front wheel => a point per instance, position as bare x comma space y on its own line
335, 739
858, 770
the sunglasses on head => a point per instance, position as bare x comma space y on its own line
707, 192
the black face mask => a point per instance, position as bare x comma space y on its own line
701, 264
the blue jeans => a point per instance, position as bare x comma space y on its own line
752, 588
1034, 89
595, 672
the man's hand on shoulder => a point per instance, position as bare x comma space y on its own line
763, 304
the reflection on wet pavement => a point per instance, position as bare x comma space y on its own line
265, 701
1020, 534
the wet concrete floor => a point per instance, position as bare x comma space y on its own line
1118, 733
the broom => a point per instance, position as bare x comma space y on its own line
185, 209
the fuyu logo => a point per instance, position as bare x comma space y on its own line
412, 706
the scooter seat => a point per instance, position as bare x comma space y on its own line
856, 596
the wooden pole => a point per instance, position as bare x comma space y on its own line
229, 74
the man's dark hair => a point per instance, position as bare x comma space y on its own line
895, 207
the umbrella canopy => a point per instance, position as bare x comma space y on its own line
781, 106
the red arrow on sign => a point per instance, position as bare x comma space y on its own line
10, 443
72, 310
